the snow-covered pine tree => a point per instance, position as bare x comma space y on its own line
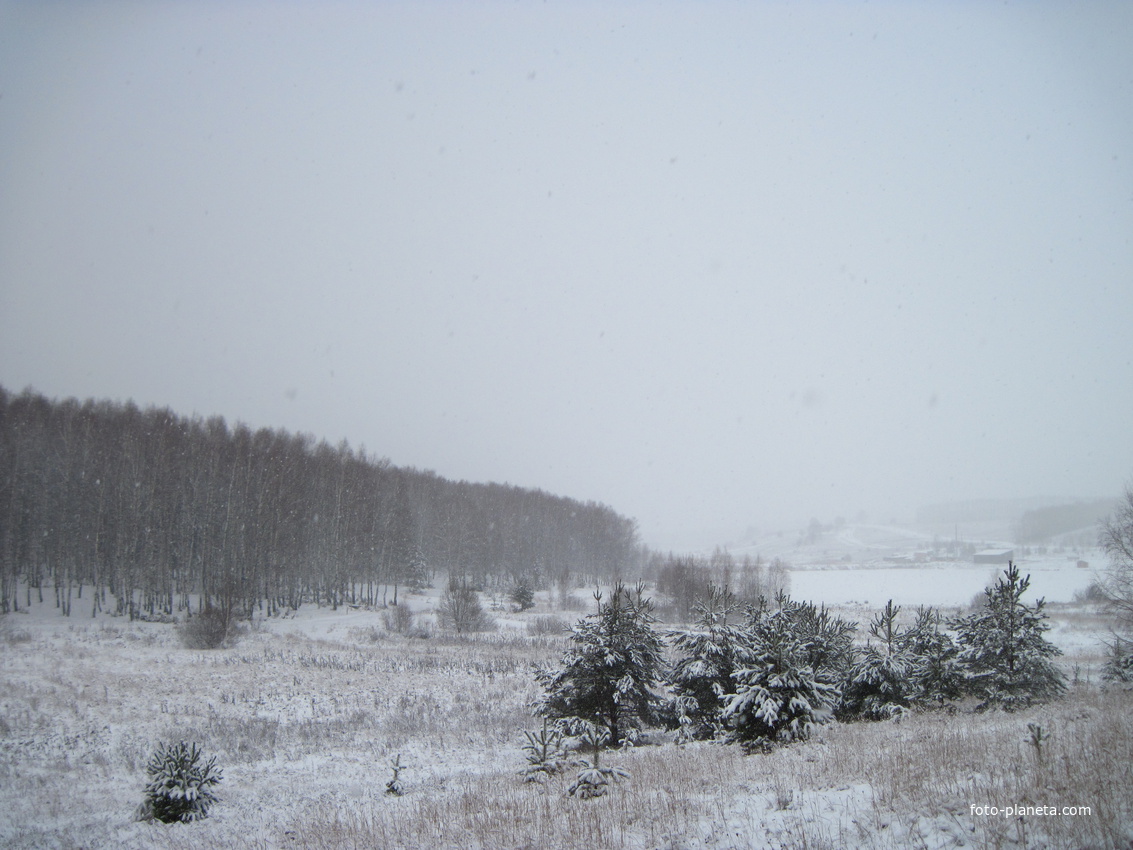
608, 674
778, 695
937, 674
1119, 666
879, 685
828, 639
701, 677
523, 594
1005, 658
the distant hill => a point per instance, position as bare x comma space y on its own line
984, 510
1042, 524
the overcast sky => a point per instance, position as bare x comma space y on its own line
715, 265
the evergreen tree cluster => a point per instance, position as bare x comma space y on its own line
771, 673
146, 507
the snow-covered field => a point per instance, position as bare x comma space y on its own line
305, 714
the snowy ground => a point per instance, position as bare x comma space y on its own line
306, 712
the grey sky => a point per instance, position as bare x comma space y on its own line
715, 265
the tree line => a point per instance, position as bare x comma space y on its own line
147, 508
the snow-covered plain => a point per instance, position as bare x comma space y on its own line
306, 712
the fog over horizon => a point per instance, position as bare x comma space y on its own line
719, 266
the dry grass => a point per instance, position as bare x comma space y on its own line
304, 730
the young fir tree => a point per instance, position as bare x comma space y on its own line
880, 685
1119, 666
701, 677
523, 595
180, 787
779, 697
1006, 659
937, 674
609, 673
828, 640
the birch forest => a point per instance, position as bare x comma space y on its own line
144, 512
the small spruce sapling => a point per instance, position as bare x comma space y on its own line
180, 787
1036, 738
394, 785
594, 780
1119, 666
544, 754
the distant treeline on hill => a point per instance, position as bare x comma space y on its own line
981, 510
150, 507
1039, 526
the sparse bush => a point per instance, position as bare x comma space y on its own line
1093, 593
570, 602
9, 633
546, 624
461, 611
180, 787
1116, 537
398, 619
210, 629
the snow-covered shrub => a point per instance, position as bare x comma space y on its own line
1004, 656
9, 633
546, 624
608, 674
180, 787
938, 676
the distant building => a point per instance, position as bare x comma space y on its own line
994, 556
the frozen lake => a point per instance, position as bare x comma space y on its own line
939, 584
